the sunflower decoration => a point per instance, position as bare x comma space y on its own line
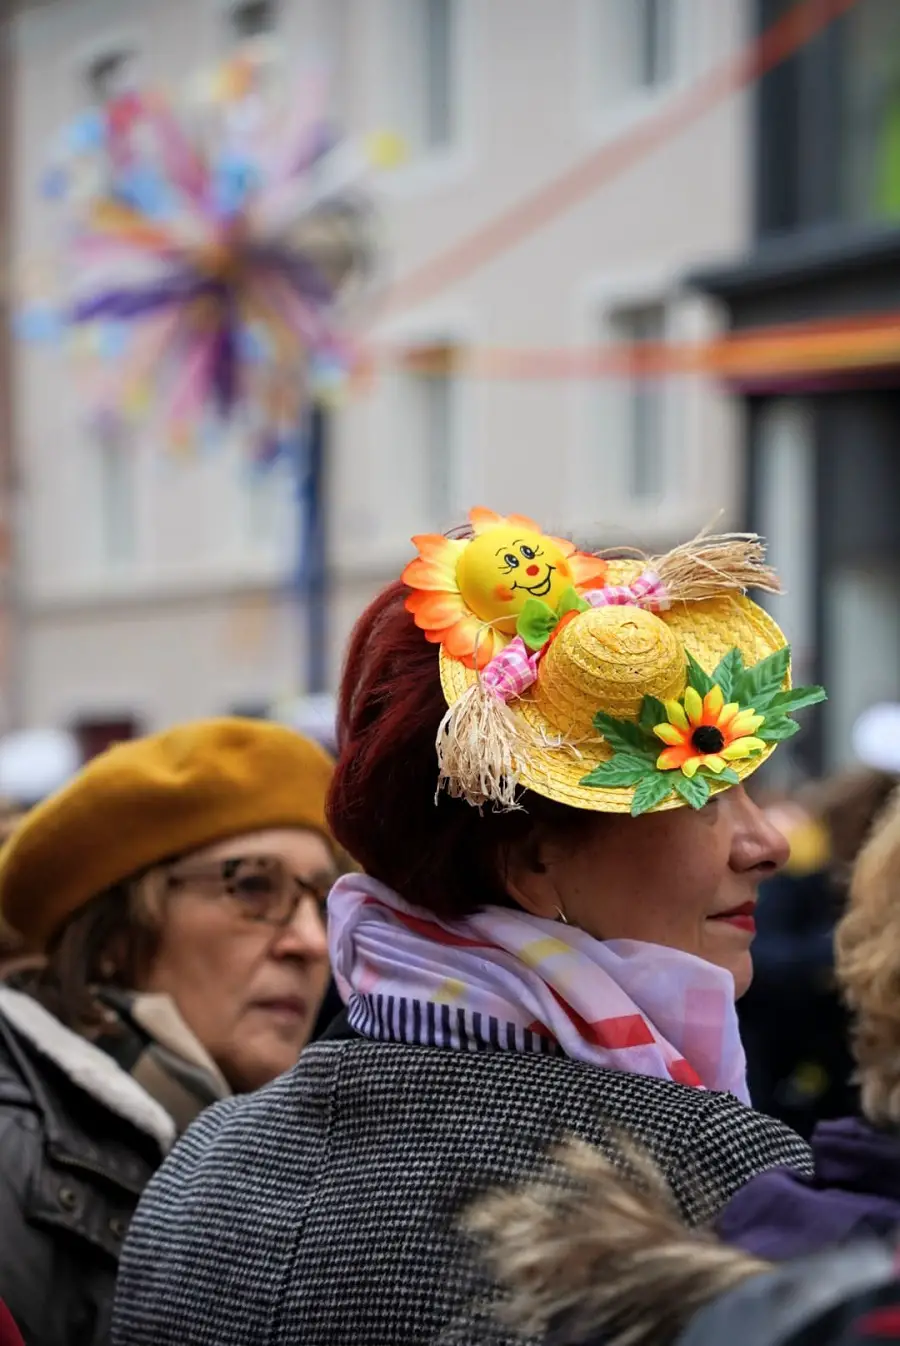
724, 720
468, 594
705, 732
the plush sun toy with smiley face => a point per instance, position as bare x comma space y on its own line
468, 592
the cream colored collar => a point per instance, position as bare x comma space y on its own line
87, 1066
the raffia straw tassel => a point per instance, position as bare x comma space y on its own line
477, 745
716, 564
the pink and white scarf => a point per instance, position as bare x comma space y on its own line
506, 980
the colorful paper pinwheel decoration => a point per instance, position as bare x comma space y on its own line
209, 253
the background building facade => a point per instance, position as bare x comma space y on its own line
152, 588
822, 444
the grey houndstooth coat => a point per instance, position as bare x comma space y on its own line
322, 1210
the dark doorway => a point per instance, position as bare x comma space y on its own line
95, 736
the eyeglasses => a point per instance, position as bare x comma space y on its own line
260, 888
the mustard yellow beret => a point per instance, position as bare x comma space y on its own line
144, 801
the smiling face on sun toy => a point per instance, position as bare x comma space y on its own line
468, 592
505, 566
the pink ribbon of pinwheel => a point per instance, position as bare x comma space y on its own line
647, 591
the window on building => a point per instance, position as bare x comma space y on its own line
260, 501
829, 123
250, 710
268, 504
870, 112
116, 498
422, 72
429, 398
635, 46
96, 735
250, 18
337, 35
109, 73
653, 41
643, 403
861, 610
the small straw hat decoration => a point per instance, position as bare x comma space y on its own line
606, 683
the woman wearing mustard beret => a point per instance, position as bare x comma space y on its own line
176, 887
542, 757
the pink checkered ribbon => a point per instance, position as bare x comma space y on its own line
512, 671
647, 591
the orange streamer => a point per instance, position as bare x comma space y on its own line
864, 341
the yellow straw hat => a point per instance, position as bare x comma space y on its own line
617, 686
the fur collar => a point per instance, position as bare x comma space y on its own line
87, 1066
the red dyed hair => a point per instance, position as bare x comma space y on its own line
441, 854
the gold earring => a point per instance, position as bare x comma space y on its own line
561, 915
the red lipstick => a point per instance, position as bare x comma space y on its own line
741, 917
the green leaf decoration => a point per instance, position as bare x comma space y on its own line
786, 703
619, 772
727, 672
728, 777
758, 685
536, 623
653, 712
652, 790
697, 677
635, 746
571, 601
777, 730
626, 736
694, 791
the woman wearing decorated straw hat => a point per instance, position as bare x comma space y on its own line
176, 887
541, 757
